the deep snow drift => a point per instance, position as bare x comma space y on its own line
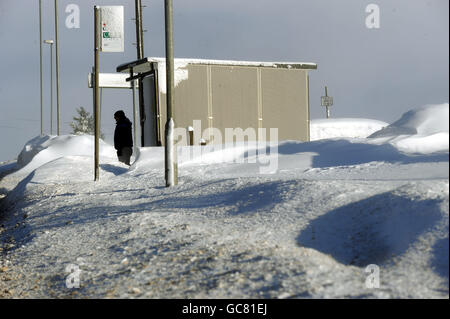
331, 208
343, 127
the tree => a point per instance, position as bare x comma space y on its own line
84, 123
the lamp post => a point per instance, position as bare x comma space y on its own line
51, 83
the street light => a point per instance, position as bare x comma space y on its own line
51, 83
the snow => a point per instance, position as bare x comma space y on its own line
344, 127
424, 120
181, 72
43, 149
311, 229
186, 61
421, 130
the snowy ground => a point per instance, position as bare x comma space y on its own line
333, 207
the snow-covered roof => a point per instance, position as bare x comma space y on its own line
145, 65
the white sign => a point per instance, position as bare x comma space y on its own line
112, 80
327, 101
112, 29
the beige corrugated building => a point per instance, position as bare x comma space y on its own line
224, 94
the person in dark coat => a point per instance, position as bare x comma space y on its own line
123, 139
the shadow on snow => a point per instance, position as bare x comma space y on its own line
249, 199
374, 230
343, 153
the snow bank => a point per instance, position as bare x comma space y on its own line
425, 120
421, 144
344, 127
43, 149
335, 142
341, 203
422, 130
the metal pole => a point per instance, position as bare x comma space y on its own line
40, 51
171, 167
169, 57
133, 83
96, 92
139, 30
51, 88
100, 112
58, 114
327, 107
140, 55
93, 89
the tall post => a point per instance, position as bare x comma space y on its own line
40, 51
327, 101
51, 88
100, 107
171, 167
58, 114
140, 55
96, 92
93, 87
133, 83
139, 30
50, 42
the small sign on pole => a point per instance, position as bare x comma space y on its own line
112, 35
327, 101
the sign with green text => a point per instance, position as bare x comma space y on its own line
112, 26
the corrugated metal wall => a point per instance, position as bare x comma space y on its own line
241, 97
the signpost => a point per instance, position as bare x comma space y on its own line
112, 29
108, 37
327, 101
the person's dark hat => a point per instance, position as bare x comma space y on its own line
119, 114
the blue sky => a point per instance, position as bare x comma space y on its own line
377, 73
